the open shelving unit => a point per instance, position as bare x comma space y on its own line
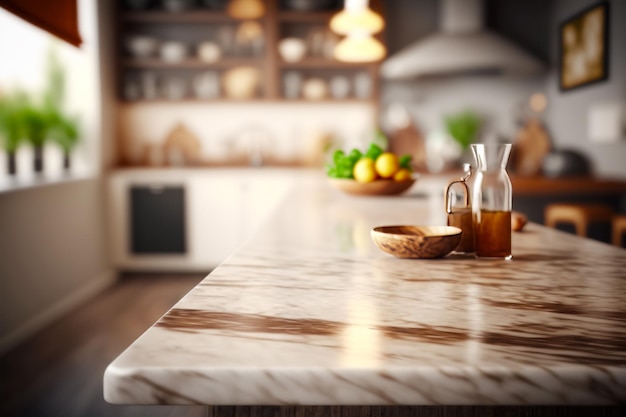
202, 24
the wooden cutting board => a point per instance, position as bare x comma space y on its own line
532, 144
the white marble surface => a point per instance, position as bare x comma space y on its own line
310, 312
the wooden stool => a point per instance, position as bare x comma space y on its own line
619, 227
580, 215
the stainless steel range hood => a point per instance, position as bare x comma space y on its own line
462, 46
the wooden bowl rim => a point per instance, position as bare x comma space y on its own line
447, 231
353, 187
439, 244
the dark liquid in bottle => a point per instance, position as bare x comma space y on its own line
492, 234
462, 218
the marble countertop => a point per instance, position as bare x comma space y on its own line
308, 311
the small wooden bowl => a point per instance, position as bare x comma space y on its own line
417, 241
376, 187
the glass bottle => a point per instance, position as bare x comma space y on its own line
492, 202
460, 215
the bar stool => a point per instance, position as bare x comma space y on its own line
580, 215
619, 228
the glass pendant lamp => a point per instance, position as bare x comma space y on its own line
356, 16
358, 23
359, 48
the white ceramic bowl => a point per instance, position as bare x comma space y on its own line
241, 82
315, 89
209, 51
141, 46
173, 51
292, 49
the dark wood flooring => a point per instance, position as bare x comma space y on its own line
58, 372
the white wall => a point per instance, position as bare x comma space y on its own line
284, 129
568, 110
52, 254
52, 239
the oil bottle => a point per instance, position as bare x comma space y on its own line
459, 208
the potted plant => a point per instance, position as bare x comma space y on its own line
65, 132
37, 123
38, 119
10, 129
463, 127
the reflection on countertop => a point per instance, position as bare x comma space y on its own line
354, 325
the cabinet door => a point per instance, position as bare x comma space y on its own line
157, 220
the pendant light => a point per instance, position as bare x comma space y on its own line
356, 16
358, 23
359, 48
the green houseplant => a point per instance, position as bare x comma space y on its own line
37, 123
463, 127
38, 119
22, 119
66, 133
11, 128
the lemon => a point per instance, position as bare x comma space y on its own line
364, 170
402, 175
387, 165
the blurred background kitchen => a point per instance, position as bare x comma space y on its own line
165, 105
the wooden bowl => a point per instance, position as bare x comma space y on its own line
417, 241
376, 187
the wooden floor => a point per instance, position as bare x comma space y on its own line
59, 371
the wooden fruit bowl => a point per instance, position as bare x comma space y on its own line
376, 187
417, 241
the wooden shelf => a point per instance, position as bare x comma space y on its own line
305, 17
202, 15
159, 16
190, 63
191, 16
320, 63
259, 100
193, 25
192, 100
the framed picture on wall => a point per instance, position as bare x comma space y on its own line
584, 47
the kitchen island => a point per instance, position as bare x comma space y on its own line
308, 312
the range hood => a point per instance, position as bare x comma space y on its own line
462, 46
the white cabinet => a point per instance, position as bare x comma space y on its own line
222, 208
214, 219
